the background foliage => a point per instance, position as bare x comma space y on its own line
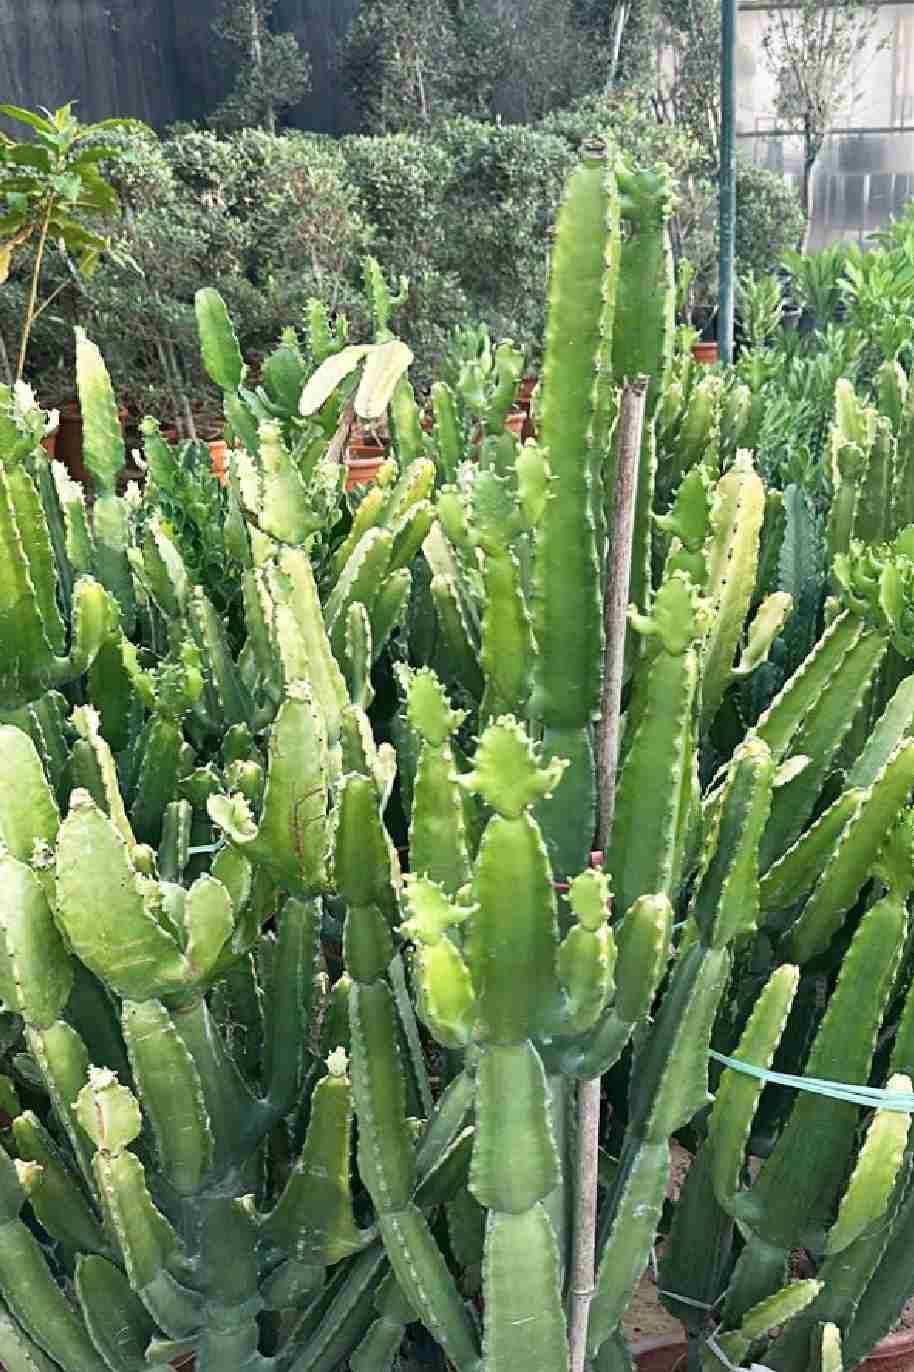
463, 208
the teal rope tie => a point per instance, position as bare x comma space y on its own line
874, 1097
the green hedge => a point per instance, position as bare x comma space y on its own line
463, 210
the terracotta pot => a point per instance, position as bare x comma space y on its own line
218, 456
525, 392
706, 354
70, 442
516, 423
363, 470
69, 447
364, 456
894, 1353
660, 1355
49, 443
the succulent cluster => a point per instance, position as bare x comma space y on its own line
217, 972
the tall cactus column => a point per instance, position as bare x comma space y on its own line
386, 1154
670, 1073
490, 972
643, 331
567, 600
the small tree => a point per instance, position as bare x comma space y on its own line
400, 64
273, 74
553, 52
688, 74
611, 22
51, 192
810, 49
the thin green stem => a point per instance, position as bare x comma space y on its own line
31, 313
50, 300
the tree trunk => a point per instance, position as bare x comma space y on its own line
620, 19
269, 114
808, 199
811, 146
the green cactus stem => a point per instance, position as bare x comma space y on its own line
567, 601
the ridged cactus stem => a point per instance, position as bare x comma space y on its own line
630, 427
227, 1237
386, 1154
643, 333
670, 1076
566, 592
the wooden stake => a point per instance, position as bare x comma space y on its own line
615, 605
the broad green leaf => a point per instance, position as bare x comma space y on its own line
22, 116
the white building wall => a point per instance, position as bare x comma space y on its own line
862, 178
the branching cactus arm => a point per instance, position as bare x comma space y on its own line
643, 846
670, 1076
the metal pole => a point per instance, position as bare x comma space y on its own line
727, 177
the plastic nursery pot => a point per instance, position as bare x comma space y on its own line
706, 354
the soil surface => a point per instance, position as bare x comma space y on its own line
647, 1318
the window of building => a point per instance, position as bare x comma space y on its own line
903, 70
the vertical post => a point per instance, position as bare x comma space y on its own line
727, 177
615, 605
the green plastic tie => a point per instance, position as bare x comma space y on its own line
874, 1097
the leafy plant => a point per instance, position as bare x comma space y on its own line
50, 187
816, 281
192, 509
399, 61
274, 72
878, 289
760, 307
